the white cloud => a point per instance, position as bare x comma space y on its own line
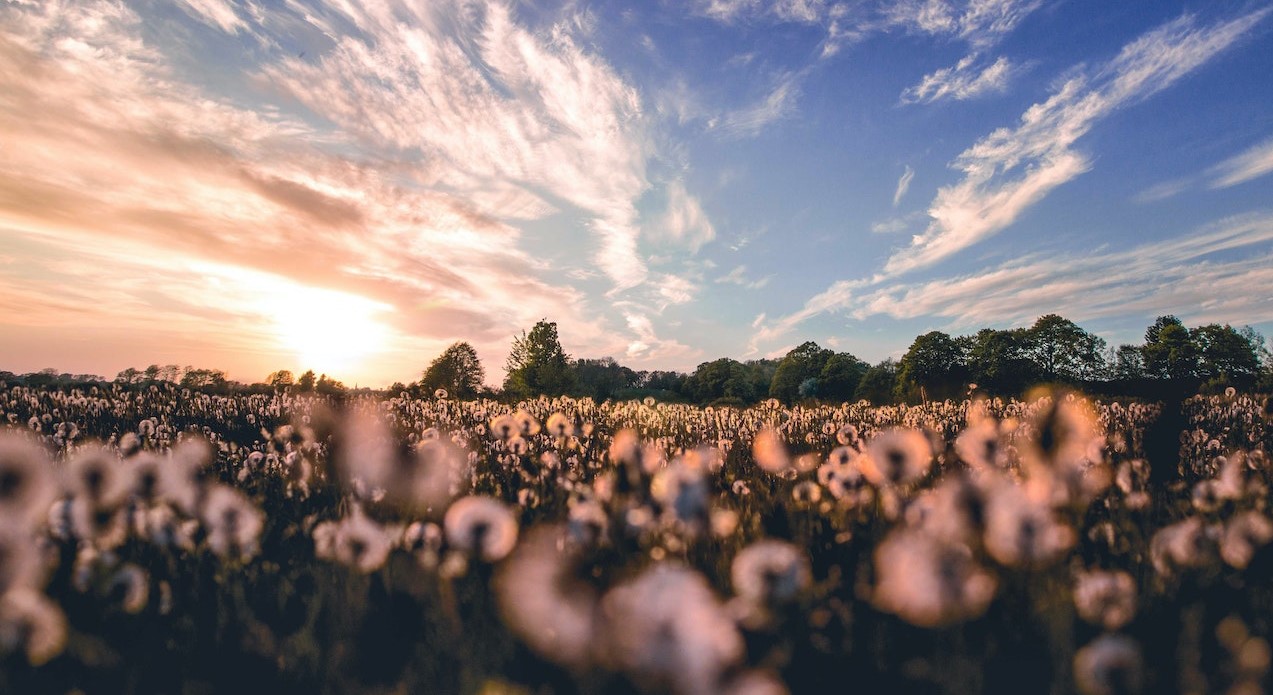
965, 80
749, 121
729, 11
903, 185
222, 14
980, 22
1013, 168
1038, 152
1197, 276
738, 276
684, 222
155, 174
1253, 163
483, 98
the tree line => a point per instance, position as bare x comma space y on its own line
1054, 350
937, 365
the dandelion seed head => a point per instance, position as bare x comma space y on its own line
481, 527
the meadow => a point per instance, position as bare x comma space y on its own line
164, 540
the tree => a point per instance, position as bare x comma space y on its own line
205, 379
458, 370
1128, 363
132, 375
1063, 351
306, 382
537, 364
878, 384
1000, 362
1169, 351
840, 377
934, 367
599, 379
328, 386
280, 379
1226, 355
801, 364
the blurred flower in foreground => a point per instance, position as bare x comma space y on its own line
30, 622
481, 527
897, 457
770, 572
542, 600
667, 632
1104, 598
1110, 665
26, 484
929, 583
232, 522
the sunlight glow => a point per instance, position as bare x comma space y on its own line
330, 332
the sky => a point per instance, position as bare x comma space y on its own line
353, 185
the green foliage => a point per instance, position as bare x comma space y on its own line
840, 376
1000, 361
1225, 355
537, 364
457, 369
1169, 351
801, 364
878, 383
1063, 351
306, 382
600, 379
934, 367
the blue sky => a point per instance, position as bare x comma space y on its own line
351, 186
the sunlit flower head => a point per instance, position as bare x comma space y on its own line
20, 563
929, 583
360, 543
560, 426
1063, 434
897, 457
481, 527
232, 522
1182, 545
667, 632
1110, 665
527, 425
27, 486
770, 572
1244, 535
1020, 532
130, 588
504, 426
1105, 598
544, 602
100, 478
769, 451
32, 624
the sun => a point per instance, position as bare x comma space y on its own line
329, 331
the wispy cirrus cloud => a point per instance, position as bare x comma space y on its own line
1191, 276
738, 276
433, 141
1246, 166
903, 185
980, 23
750, 120
1198, 277
1008, 171
1011, 169
967, 79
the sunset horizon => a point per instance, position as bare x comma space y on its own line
253, 186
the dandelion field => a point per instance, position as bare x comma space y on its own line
163, 540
